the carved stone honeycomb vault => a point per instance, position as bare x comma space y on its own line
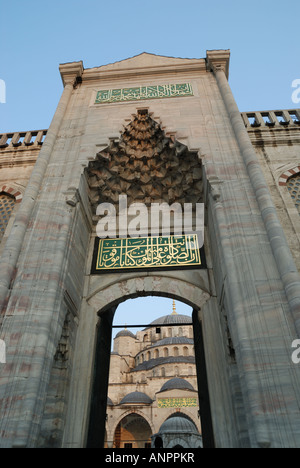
146, 166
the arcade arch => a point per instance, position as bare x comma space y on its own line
132, 430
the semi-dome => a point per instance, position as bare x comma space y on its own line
136, 397
178, 424
177, 383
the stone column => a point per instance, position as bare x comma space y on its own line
260, 287
29, 332
282, 254
13, 246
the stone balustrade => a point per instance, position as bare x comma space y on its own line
252, 120
22, 139
271, 119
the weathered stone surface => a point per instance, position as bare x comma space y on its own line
247, 299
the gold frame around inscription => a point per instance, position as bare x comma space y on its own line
179, 402
140, 93
137, 253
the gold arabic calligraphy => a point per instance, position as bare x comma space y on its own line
147, 252
176, 402
143, 92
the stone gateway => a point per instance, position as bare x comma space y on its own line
158, 130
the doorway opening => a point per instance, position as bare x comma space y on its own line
133, 431
154, 370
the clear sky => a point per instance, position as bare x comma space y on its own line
37, 35
142, 311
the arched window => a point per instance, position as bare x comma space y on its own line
156, 354
166, 352
185, 351
176, 351
293, 186
7, 204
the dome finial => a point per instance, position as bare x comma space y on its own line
174, 308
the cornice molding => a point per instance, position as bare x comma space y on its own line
145, 65
70, 72
94, 74
217, 60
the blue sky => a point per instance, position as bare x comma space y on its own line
144, 310
36, 36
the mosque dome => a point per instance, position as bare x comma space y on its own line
178, 424
172, 319
177, 383
125, 333
137, 398
174, 340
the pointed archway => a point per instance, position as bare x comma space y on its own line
105, 301
132, 431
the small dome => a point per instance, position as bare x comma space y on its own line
109, 402
177, 383
125, 333
136, 397
179, 424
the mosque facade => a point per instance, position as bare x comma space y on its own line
152, 391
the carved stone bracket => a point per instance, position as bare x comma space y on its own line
72, 196
214, 186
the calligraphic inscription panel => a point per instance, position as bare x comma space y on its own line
147, 252
176, 402
144, 92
